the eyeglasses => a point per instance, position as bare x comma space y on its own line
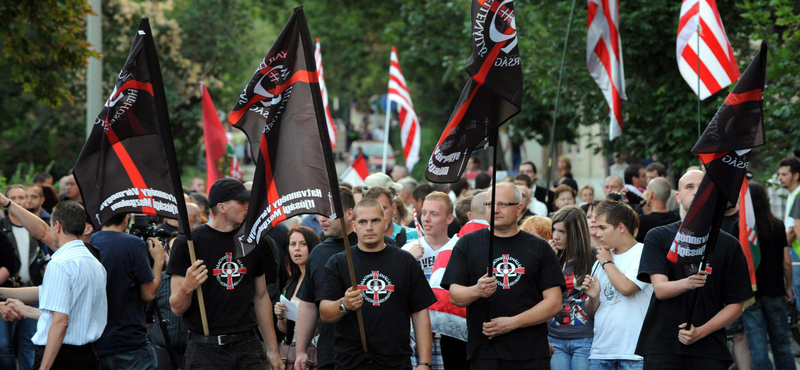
500, 205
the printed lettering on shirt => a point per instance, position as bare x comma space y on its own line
229, 271
376, 288
508, 270
427, 265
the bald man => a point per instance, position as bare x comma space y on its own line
657, 193
478, 217
666, 341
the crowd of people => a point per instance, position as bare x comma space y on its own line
559, 281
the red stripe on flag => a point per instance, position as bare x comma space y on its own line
612, 28
590, 16
299, 76
410, 139
133, 84
688, 15
462, 110
272, 191
602, 53
443, 304
708, 157
130, 168
752, 95
724, 60
705, 75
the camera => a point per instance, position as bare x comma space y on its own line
145, 226
619, 197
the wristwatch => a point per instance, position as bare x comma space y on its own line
605, 262
342, 309
426, 364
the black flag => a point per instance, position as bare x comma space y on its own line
724, 147
281, 113
491, 96
123, 167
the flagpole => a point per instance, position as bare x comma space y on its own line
558, 97
386, 133
716, 224
322, 126
165, 130
493, 140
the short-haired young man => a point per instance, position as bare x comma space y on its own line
525, 285
617, 299
789, 178
400, 234
658, 192
235, 290
543, 195
395, 289
665, 342
478, 215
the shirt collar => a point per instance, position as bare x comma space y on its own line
66, 246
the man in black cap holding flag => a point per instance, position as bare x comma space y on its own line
236, 296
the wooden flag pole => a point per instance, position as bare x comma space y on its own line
165, 130
352, 271
322, 126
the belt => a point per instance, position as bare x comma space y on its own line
222, 339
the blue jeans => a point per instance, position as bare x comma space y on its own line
616, 364
139, 359
795, 278
17, 335
768, 317
570, 353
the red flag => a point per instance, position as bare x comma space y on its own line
357, 172
215, 140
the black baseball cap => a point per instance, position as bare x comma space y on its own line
226, 189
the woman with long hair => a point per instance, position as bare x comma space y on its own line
302, 240
571, 330
767, 316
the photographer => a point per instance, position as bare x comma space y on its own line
131, 284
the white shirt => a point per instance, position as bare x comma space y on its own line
537, 207
429, 257
619, 319
23, 239
788, 222
75, 285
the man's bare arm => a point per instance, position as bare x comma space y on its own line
422, 333
664, 289
263, 308
35, 225
55, 338
304, 330
28, 295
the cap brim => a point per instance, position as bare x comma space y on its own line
397, 187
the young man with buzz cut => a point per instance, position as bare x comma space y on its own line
618, 301
667, 341
396, 293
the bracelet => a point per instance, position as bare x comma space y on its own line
281, 319
604, 264
428, 364
8, 205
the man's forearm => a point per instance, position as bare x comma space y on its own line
329, 311
306, 324
668, 289
55, 337
541, 312
35, 225
591, 305
463, 296
179, 300
263, 309
620, 281
724, 317
422, 334
28, 295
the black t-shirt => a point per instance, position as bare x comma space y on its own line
124, 257
769, 273
312, 287
229, 290
654, 219
393, 287
728, 283
525, 266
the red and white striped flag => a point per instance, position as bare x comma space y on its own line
356, 173
717, 64
324, 90
409, 123
604, 58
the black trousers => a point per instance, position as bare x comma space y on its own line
537, 364
681, 362
69, 358
454, 353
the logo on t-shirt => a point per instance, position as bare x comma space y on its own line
508, 270
376, 288
232, 271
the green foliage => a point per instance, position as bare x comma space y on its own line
40, 40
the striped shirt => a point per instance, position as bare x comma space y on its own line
74, 284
